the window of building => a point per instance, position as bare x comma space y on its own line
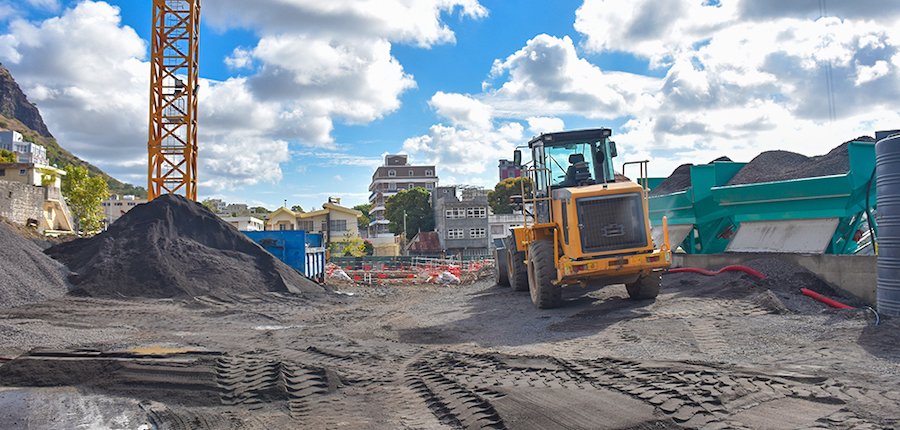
392, 173
476, 212
306, 225
456, 213
429, 173
455, 233
2, 172
323, 226
476, 233
338, 225
282, 227
392, 187
412, 173
429, 186
118, 204
22, 172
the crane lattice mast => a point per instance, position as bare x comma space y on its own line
172, 144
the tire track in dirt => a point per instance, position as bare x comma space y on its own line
461, 389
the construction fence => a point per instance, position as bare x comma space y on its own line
408, 270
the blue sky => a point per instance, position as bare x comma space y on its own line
301, 98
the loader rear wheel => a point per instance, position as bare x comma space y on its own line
645, 288
541, 274
501, 273
516, 269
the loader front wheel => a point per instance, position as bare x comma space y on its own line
646, 287
541, 274
501, 273
515, 265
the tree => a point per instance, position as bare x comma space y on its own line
7, 156
209, 205
499, 198
364, 220
297, 208
416, 203
355, 247
259, 210
84, 195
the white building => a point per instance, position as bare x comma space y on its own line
245, 223
500, 224
115, 206
27, 152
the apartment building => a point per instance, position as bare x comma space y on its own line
461, 221
395, 175
509, 169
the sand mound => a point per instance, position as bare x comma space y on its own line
173, 247
26, 274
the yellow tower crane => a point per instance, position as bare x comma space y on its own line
172, 143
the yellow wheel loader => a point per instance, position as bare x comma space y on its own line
581, 226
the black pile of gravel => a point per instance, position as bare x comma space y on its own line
174, 248
773, 166
780, 292
27, 275
679, 180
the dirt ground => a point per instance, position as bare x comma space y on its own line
429, 357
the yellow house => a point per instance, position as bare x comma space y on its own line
336, 223
32, 174
45, 196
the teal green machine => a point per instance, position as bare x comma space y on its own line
825, 214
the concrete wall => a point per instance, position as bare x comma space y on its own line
20, 202
853, 274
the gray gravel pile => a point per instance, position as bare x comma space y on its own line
175, 248
27, 275
679, 180
785, 279
780, 292
773, 166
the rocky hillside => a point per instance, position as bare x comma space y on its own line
17, 113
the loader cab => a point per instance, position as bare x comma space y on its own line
573, 158
570, 159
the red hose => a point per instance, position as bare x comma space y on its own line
830, 302
732, 268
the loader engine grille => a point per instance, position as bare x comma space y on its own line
609, 223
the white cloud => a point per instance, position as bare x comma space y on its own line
417, 22
646, 28
547, 77
240, 58
462, 110
739, 79
865, 74
543, 124
467, 148
88, 76
314, 64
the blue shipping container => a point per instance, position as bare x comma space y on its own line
296, 248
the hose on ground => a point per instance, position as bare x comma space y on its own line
830, 302
732, 268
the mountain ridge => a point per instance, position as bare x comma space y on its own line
19, 114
